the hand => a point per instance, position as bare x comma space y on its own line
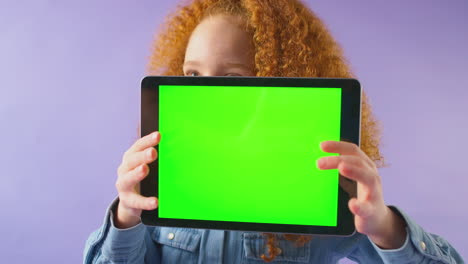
371, 216
133, 169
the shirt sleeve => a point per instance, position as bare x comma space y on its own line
110, 244
419, 246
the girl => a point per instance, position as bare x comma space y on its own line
259, 38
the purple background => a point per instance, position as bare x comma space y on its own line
69, 108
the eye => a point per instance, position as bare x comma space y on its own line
233, 74
192, 73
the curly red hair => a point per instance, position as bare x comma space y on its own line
289, 41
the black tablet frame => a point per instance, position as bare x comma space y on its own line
350, 132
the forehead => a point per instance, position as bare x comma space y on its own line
218, 36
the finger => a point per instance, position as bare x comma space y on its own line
128, 181
361, 175
145, 142
133, 160
137, 201
360, 208
343, 148
332, 162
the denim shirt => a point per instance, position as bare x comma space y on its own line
149, 244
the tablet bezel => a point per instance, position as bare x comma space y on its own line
350, 132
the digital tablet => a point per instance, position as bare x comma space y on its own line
240, 153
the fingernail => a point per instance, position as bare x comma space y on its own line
155, 135
152, 202
149, 153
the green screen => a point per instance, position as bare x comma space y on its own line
247, 154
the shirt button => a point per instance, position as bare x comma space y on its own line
170, 236
423, 245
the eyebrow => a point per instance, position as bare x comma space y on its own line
235, 65
191, 63
227, 64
